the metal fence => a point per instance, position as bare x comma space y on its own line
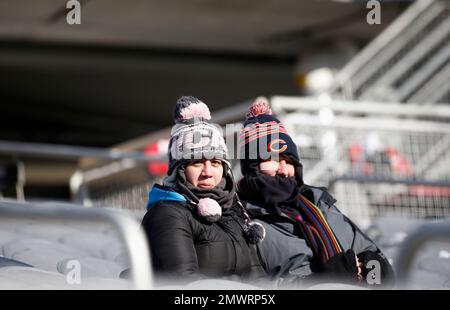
377, 159
113, 185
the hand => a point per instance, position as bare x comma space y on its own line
343, 265
359, 267
387, 273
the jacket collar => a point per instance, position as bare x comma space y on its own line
159, 193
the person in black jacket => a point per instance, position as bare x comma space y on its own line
195, 224
308, 240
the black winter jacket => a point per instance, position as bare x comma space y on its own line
184, 244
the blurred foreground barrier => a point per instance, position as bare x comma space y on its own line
129, 231
412, 245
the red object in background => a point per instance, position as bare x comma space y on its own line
398, 164
356, 155
157, 168
355, 152
429, 191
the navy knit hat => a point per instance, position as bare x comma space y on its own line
264, 137
193, 137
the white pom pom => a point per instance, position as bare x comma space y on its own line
209, 209
196, 110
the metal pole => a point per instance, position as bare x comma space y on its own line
67, 151
282, 104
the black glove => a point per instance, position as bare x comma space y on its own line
387, 275
342, 267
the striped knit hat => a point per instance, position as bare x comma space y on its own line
193, 137
264, 137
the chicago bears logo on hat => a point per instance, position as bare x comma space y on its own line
282, 146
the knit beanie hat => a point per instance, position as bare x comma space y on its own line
264, 137
193, 137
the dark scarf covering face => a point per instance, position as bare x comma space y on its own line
279, 195
223, 193
270, 192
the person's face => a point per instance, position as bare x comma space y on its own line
204, 173
282, 167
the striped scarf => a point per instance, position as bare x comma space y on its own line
279, 195
319, 235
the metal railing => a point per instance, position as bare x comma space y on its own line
129, 231
395, 157
407, 62
70, 152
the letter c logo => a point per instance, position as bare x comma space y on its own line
280, 149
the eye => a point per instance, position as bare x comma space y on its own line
197, 164
216, 163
